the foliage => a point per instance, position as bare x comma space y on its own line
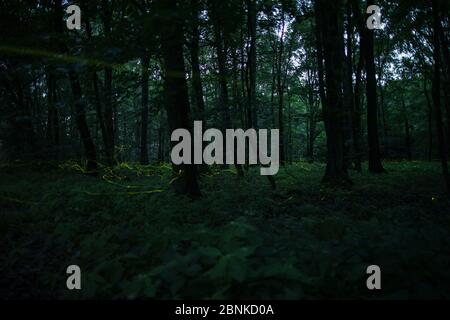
241, 240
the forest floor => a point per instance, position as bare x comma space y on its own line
134, 238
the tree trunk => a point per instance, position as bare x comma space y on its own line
280, 88
367, 43
437, 92
160, 143
251, 64
356, 114
348, 86
446, 54
272, 95
99, 112
108, 73
289, 140
145, 64
175, 89
80, 108
320, 71
220, 41
237, 95
52, 133
221, 51
80, 118
311, 124
97, 96
407, 131
430, 118
199, 104
329, 20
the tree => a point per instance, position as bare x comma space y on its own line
145, 64
53, 134
281, 85
107, 12
197, 97
175, 87
437, 90
357, 113
367, 48
330, 28
348, 95
251, 65
221, 38
96, 87
80, 107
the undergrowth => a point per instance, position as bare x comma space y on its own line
134, 238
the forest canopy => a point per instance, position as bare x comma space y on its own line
337, 91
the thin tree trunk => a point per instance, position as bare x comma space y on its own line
199, 104
381, 105
251, 63
348, 86
272, 93
237, 96
407, 131
430, 118
145, 64
52, 134
437, 92
290, 148
319, 52
356, 114
223, 86
97, 96
311, 123
446, 55
375, 165
80, 108
109, 115
108, 73
160, 143
220, 41
80, 118
280, 87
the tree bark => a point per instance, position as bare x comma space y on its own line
437, 92
312, 110
97, 96
280, 90
175, 88
348, 85
80, 107
145, 64
329, 20
80, 118
220, 44
446, 54
199, 104
407, 131
356, 114
52, 134
430, 117
251, 64
108, 73
320, 68
367, 40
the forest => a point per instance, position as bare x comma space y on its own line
360, 97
